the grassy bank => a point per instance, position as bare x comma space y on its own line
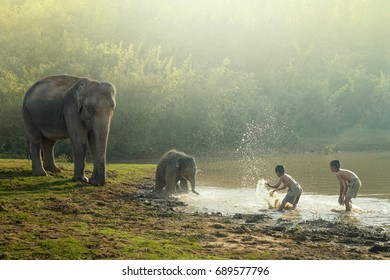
54, 218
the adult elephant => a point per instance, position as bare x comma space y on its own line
174, 170
60, 107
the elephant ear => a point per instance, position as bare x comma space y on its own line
179, 162
80, 94
184, 162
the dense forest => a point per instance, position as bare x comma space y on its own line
208, 75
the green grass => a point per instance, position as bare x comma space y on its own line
54, 218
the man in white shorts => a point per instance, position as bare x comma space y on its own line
349, 184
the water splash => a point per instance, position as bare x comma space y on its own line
272, 200
260, 140
264, 195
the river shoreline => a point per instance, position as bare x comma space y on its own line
278, 239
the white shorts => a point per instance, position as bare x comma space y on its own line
293, 194
353, 188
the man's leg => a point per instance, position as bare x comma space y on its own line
348, 203
282, 205
297, 200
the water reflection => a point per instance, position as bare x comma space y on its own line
310, 170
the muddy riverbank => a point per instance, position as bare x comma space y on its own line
243, 234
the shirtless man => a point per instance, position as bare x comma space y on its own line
349, 184
294, 189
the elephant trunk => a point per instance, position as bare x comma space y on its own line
192, 182
97, 139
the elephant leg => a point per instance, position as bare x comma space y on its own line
48, 155
98, 152
171, 181
160, 180
35, 143
184, 185
171, 187
79, 152
94, 152
160, 184
37, 167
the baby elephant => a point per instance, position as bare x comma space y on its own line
174, 170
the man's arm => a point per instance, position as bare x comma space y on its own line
342, 190
279, 186
276, 186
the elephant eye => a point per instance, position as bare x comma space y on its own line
91, 109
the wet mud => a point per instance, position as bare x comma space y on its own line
278, 239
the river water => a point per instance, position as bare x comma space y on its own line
237, 186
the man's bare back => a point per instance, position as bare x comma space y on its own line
345, 175
287, 180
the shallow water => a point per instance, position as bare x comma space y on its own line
236, 186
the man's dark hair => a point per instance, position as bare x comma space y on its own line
335, 163
280, 169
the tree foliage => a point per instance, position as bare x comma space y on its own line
195, 75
